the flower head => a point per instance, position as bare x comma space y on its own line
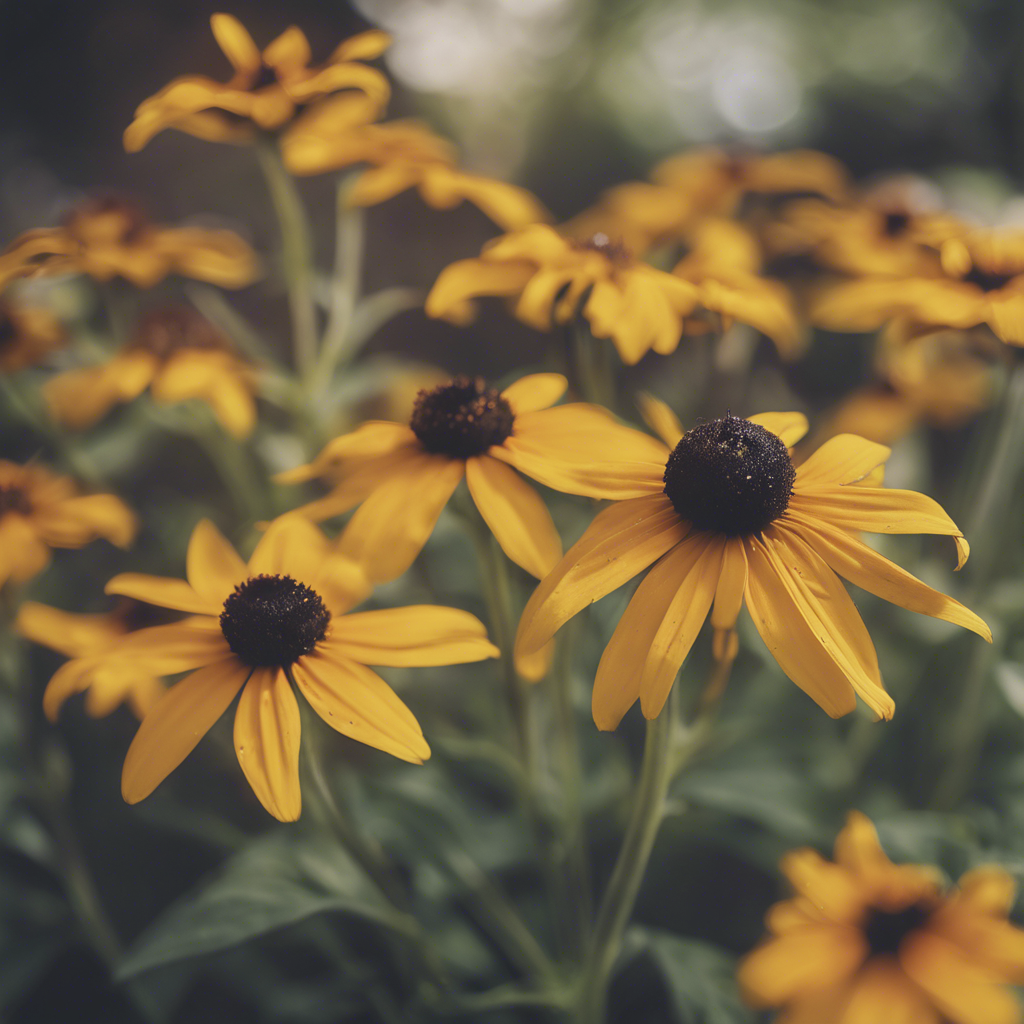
40, 511
110, 237
178, 355
27, 336
87, 640
402, 476
400, 155
266, 90
866, 941
725, 518
265, 628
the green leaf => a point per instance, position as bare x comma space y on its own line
279, 880
699, 978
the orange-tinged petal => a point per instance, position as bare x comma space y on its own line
698, 562
234, 406
831, 889
844, 459
788, 426
392, 525
988, 890
178, 721
212, 565
413, 635
267, 731
236, 43
532, 668
536, 391
622, 541
67, 632
163, 592
732, 583
375, 438
858, 849
515, 513
660, 418
76, 521
883, 994
509, 206
291, 545
468, 279
864, 567
356, 702
71, 678
289, 51
164, 650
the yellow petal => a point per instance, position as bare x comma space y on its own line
71, 678
532, 668
178, 721
858, 849
864, 567
364, 46
356, 702
234, 406
660, 418
844, 459
882, 992
515, 513
163, 592
236, 43
468, 279
164, 650
76, 521
622, 541
732, 583
289, 51
391, 526
834, 892
413, 635
536, 391
698, 560
509, 206
988, 890
291, 545
67, 632
375, 438
212, 565
879, 510
788, 426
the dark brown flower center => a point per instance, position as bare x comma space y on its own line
885, 930
165, 330
108, 219
273, 620
264, 77
986, 281
14, 499
730, 476
461, 419
895, 222
614, 251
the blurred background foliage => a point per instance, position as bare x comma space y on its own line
566, 97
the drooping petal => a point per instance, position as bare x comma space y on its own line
267, 731
164, 650
622, 541
660, 418
71, 678
413, 635
377, 437
163, 592
70, 633
212, 565
467, 279
356, 702
883, 993
76, 521
788, 426
864, 567
178, 721
537, 391
515, 513
843, 459
732, 583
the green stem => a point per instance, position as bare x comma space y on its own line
297, 257
591, 363
624, 886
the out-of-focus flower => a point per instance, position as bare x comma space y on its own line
981, 282
402, 476
268, 627
27, 336
866, 941
110, 237
549, 275
266, 89
40, 510
401, 155
725, 518
178, 355
705, 183
87, 639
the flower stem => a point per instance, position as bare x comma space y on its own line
297, 257
590, 363
624, 886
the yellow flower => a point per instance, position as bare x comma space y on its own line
266, 89
549, 275
728, 519
178, 355
265, 628
27, 336
981, 282
402, 476
705, 182
109, 237
87, 640
40, 511
866, 941
401, 155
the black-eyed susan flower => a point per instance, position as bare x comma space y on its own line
266, 89
265, 628
40, 510
725, 519
87, 640
28, 335
400, 155
402, 476
178, 355
110, 237
866, 941
551, 277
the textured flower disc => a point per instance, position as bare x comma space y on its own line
166, 330
730, 476
273, 620
461, 419
885, 930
